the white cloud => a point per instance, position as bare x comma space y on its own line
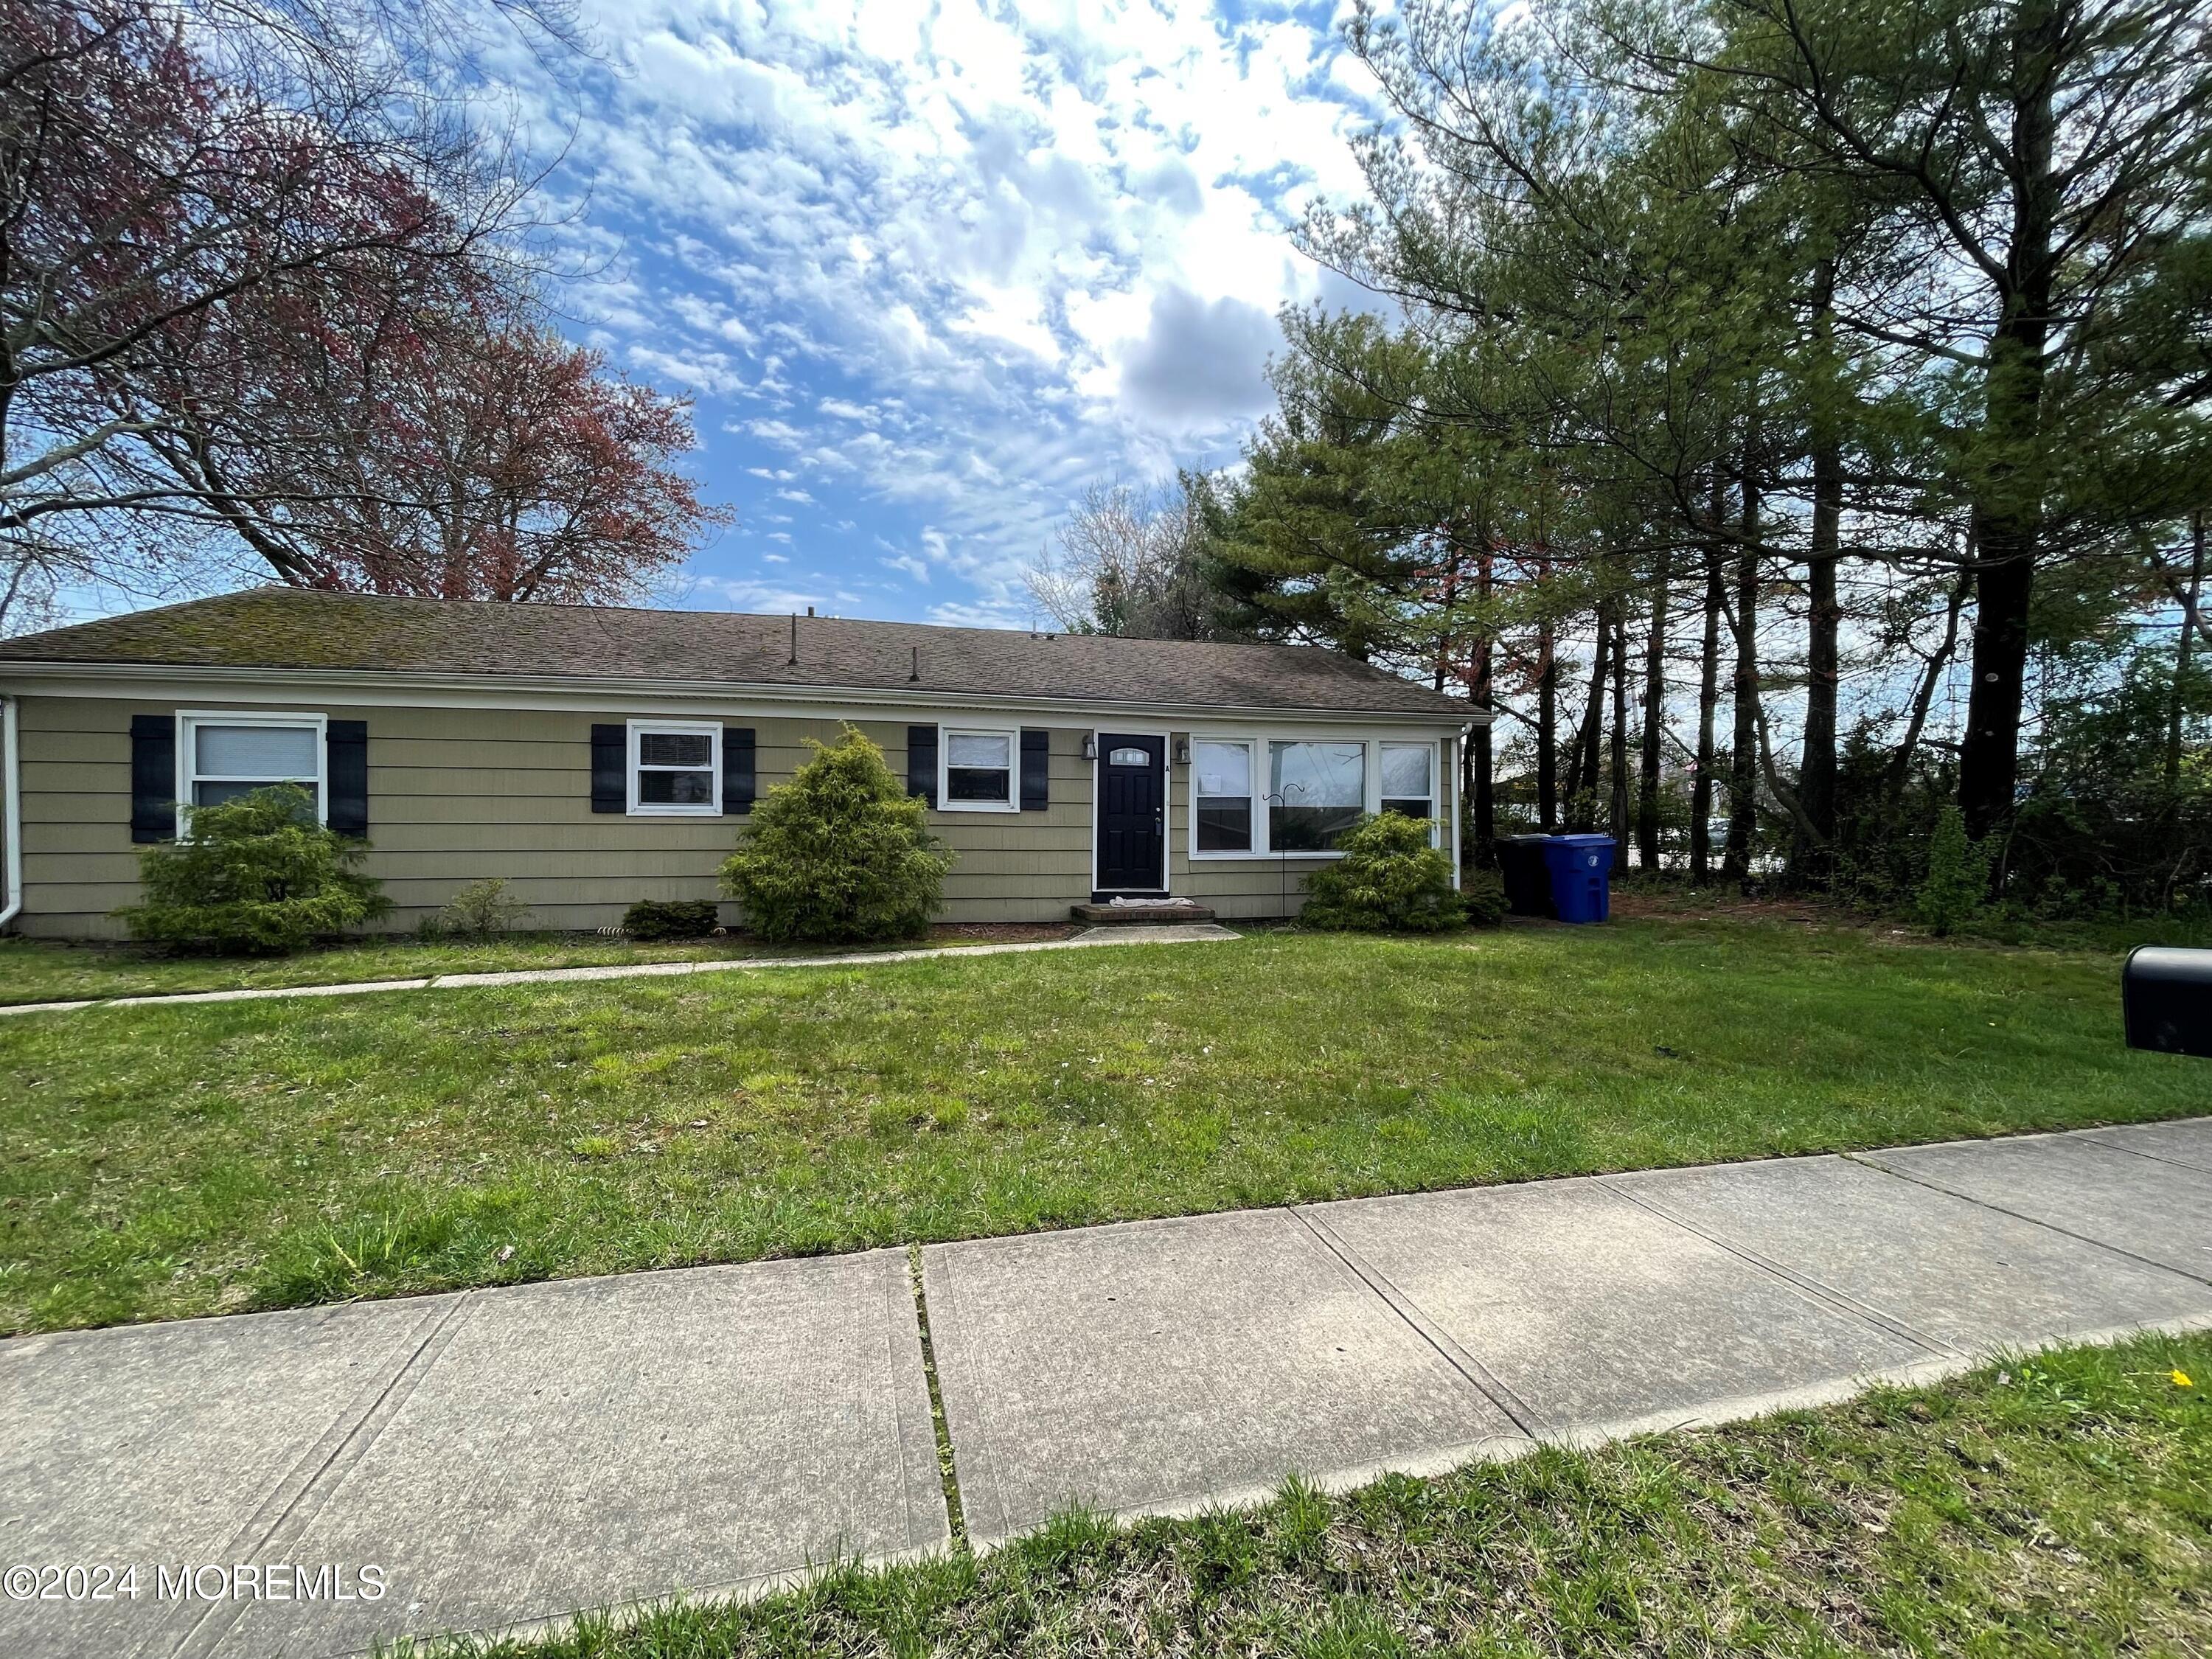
906, 562
1006, 614
958, 261
764, 597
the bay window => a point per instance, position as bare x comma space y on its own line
1221, 773
1409, 778
1316, 791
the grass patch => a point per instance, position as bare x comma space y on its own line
58, 970
2059, 1507
160, 1162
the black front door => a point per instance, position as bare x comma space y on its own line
1133, 798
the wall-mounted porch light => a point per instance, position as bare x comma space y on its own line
1182, 752
1090, 747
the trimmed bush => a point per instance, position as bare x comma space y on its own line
1482, 892
259, 874
653, 919
479, 910
839, 854
1389, 880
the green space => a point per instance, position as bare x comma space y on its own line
167, 1161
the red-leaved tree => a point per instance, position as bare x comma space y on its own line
257, 282
460, 449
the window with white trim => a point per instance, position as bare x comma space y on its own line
1222, 784
223, 756
675, 768
979, 772
1316, 791
1409, 780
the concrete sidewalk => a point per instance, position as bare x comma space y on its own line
506, 1457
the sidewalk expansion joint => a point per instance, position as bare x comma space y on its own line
256, 1537
948, 1471
2034, 1221
2105, 1145
1824, 1294
1524, 1416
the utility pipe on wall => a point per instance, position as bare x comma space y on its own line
11, 781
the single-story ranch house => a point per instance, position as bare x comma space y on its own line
597, 755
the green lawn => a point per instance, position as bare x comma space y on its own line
50, 971
2062, 1507
171, 1161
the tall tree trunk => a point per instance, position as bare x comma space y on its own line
2184, 653
1898, 773
1589, 736
1617, 758
1743, 761
1485, 805
1812, 863
1548, 713
1440, 669
1708, 695
1655, 719
2007, 513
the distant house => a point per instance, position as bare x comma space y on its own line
597, 755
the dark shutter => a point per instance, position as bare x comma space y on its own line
737, 769
921, 762
345, 747
610, 755
1036, 769
153, 777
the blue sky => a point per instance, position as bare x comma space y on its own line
930, 270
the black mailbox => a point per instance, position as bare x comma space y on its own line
2166, 995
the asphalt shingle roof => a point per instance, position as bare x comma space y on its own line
296, 629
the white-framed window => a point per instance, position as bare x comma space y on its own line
1223, 820
977, 771
1409, 780
675, 768
221, 757
1317, 790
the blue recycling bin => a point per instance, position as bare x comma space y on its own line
1582, 872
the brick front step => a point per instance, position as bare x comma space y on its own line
1140, 915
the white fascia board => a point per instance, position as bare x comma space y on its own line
691, 699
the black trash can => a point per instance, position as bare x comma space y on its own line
1528, 879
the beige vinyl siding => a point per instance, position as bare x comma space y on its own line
457, 795
1266, 886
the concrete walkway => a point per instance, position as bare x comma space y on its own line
501, 1458
1179, 934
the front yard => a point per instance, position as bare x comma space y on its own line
170, 1161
